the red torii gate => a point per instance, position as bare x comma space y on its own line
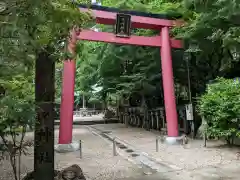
163, 41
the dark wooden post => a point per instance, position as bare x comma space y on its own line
44, 127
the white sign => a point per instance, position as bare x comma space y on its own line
94, 2
189, 112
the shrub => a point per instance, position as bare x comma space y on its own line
220, 107
17, 113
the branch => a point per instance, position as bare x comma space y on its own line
230, 54
5, 142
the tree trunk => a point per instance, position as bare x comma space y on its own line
44, 128
84, 101
196, 116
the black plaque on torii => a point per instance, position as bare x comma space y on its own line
123, 25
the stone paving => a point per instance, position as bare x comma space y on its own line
215, 162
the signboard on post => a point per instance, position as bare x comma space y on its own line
123, 25
189, 112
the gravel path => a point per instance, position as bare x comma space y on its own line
192, 158
98, 161
194, 162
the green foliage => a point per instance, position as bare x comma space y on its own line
94, 100
220, 107
17, 112
17, 105
211, 33
27, 29
36, 25
154, 6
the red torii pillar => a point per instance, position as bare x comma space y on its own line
168, 85
163, 41
67, 99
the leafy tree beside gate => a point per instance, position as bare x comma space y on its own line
220, 107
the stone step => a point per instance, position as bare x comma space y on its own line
149, 165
